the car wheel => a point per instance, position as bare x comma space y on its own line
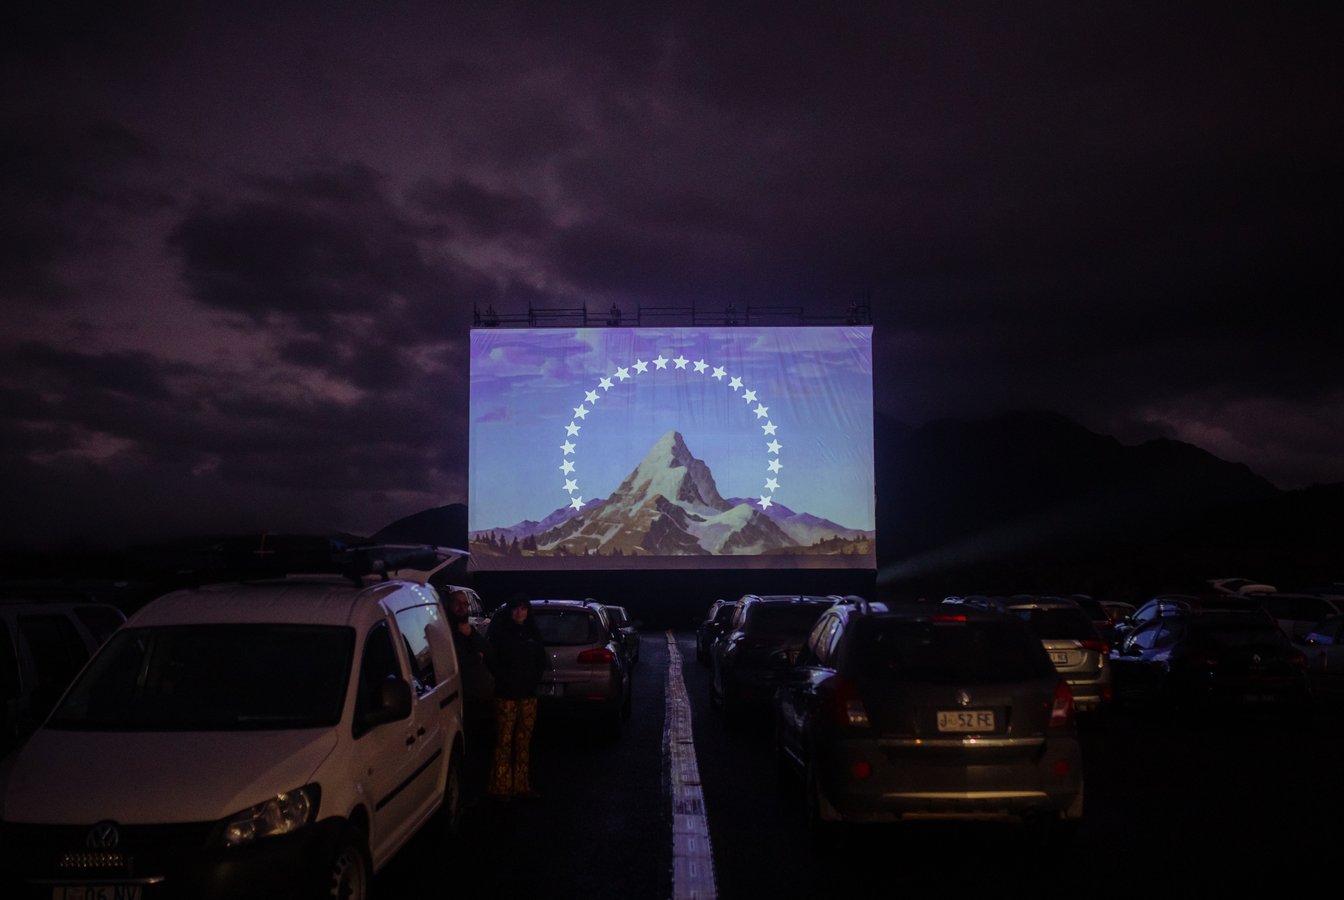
350, 874
450, 813
824, 833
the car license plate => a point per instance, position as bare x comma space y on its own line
966, 720
550, 689
96, 892
1059, 657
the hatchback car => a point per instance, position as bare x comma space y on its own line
588, 673
758, 647
1297, 614
921, 711
1211, 659
1077, 650
276, 738
718, 618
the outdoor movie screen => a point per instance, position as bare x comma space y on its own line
671, 448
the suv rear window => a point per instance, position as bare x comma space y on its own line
1057, 623
566, 626
984, 652
783, 619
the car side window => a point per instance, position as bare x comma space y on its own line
428, 646
379, 663
814, 648
1167, 636
1145, 637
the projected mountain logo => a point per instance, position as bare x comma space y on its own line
669, 505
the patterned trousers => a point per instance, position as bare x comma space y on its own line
514, 721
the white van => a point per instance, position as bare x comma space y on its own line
276, 738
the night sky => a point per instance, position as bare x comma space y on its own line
240, 247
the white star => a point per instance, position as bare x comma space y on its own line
568, 447
719, 372
604, 384
701, 365
641, 366
735, 382
681, 362
775, 466
749, 396
623, 374
590, 396
576, 503
765, 502
773, 446
772, 484
572, 429
661, 361
580, 412
769, 427
761, 411
567, 467
571, 485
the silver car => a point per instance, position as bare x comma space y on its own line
1075, 647
589, 674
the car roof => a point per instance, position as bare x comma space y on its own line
312, 600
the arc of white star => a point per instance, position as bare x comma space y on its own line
719, 372
769, 427
701, 365
761, 411
661, 362
604, 384
735, 382
571, 485
623, 374
580, 412
765, 502
590, 396
576, 503
774, 446
641, 366
749, 396
567, 467
681, 362
572, 429
775, 466
568, 447
772, 484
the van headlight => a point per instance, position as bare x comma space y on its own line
281, 814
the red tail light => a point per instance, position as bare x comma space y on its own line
599, 656
1100, 646
1297, 661
846, 705
1061, 710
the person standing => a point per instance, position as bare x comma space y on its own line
478, 692
518, 660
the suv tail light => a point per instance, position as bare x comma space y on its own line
1061, 710
1099, 646
597, 656
847, 708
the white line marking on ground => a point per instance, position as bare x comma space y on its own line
692, 856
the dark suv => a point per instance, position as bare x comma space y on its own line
927, 711
758, 646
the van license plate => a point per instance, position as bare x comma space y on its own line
96, 892
966, 720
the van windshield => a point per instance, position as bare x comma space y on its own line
212, 678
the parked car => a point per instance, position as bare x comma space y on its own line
1116, 612
1297, 614
1096, 612
716, 622
1070, 638
589, 674
1323, 647
1169, 605
43, 645
758, 647
628, 629
277, 738
905, 712
1206, 659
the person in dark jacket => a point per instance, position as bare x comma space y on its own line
518, 660
478, 694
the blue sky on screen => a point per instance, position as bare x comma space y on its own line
778, 412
